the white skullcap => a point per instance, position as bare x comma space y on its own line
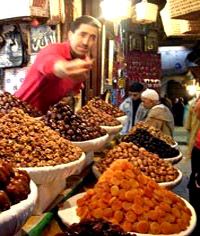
150, 94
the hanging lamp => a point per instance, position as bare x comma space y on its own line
115, 11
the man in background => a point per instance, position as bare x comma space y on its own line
132, 107
158, 115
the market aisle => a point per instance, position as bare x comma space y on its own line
181, 137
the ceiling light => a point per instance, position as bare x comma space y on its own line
116, 10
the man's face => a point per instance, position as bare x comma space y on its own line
147, 103
83, 40
134, 95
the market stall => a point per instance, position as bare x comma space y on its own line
55, 148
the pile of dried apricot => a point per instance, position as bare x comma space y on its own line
126, 197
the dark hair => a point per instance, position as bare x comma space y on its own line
85, 19
136, 87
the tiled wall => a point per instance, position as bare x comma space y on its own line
13, 79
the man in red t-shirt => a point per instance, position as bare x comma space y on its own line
60, 68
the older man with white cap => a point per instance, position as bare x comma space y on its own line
159, 115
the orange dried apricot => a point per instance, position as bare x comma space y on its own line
116, 205
166, 228
127, 226
126, 205
108, 212
152, 215
122, 194
97, 213
114, 190
118, 216
143, 227
130, 216
130, 195
154, 228
137, 208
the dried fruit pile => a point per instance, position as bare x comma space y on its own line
14, 185
61, 118
95, 227
27, 142
152, 130
150, 164
142, 138
126, 197
97, 117
8, 101
106, 107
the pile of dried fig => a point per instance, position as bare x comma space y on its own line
97, 117
150, 164
106, 107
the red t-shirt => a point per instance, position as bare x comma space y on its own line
197, 141
41, 88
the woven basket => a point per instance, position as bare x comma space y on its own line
177, 27
144, 12
185, 9
190, 27
171, 26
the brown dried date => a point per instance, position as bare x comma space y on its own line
97, 227
16, 188
153, 131
61, 118
9, 101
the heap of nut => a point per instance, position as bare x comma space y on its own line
61, 118
95, 227
106, 107
8, 101
150, 164
14, 185
27, 142
97, 117
126, 197
154, 131
142, 138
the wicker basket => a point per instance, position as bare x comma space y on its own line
144, 12
185, 9
190, 27
177, 27
171, 26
